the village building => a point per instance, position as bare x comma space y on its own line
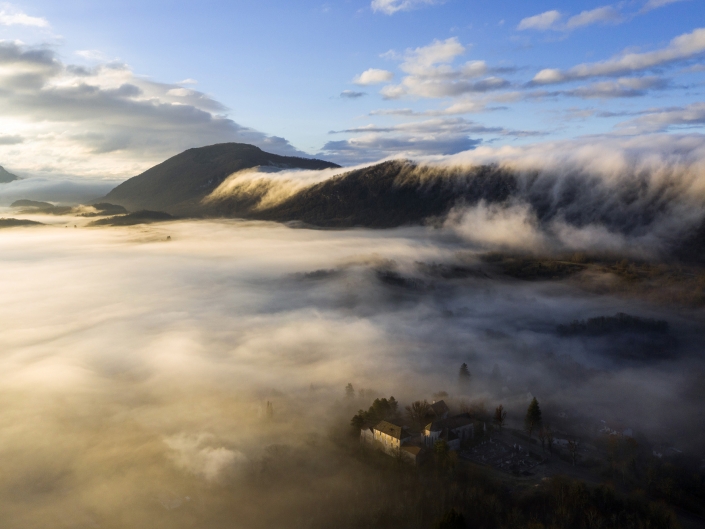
394, 440
453, 430
439, 409
390, 436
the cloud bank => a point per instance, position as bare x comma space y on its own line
104, 121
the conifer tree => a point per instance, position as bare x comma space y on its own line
533, 417
499, 416
464, 375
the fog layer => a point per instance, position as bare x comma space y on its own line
135, 370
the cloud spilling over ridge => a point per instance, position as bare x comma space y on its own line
641, 194
268, 186
104, 120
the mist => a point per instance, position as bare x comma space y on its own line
64, 190
135, 370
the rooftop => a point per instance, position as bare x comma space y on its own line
397, 432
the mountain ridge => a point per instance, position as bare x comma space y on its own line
6, 177
178, 184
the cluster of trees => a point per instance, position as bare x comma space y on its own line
447, 496
381, 410
611, 324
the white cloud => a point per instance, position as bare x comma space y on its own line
92, 55
431, 74
655, 4
542, 22
389, 7
552, 20
192, 454
187, 81
662, 120
623, 87
11, 16
600, 15
680, 48
373, 76
440, 135
104, 121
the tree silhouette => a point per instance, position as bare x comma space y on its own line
417, 413
549, 438
573, 449
533, 417
464, 375
349, 391
451, 520
499, 416
542, 438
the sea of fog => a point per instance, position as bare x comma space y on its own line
135, 369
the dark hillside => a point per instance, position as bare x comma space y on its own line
181, 182
389, 194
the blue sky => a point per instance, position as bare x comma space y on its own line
105, 89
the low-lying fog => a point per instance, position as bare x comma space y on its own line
135, 370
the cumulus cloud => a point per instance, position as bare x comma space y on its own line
373, 76
431, 74
542, 22
389, 7
553, 20
12, 16
599, 15
105, 120
681, 48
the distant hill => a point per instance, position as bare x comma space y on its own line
24, 203
178, 185
132, 219
13, 223
7, 177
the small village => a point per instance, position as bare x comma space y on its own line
450, 429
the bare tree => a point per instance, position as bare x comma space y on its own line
499, 416
417, 412
533, 417
549, 438
573, 449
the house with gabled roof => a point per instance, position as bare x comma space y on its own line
390, 436
453, 430
439, 409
